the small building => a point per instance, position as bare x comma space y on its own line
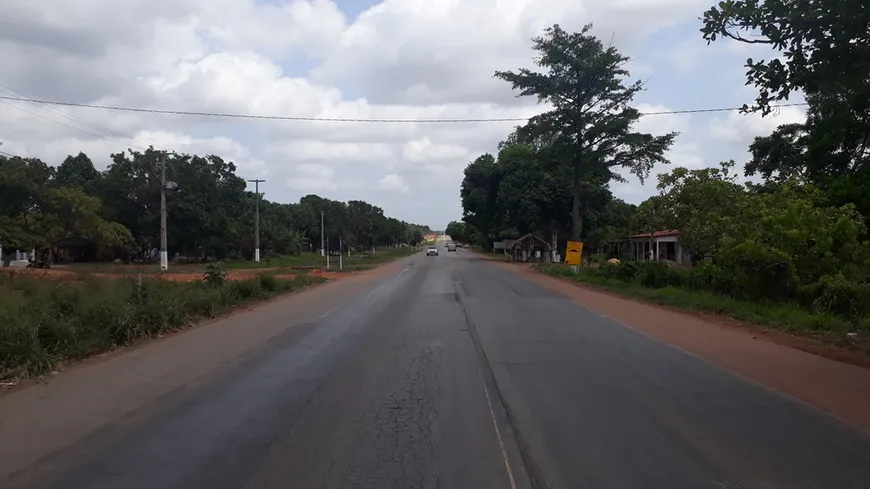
530, 248
657, 245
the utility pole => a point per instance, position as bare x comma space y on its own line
257, 220
322, 251
164, 257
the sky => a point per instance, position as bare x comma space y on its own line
396, 59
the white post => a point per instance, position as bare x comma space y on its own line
658, 255
327, 253
257, 220
340, 261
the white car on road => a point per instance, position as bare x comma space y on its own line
432, 251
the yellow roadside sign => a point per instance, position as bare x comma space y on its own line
574, 253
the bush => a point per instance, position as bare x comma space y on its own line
215, 274
837, 295
268, 282
44, 322
658, 275
753, 270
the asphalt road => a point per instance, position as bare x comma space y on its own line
455, 374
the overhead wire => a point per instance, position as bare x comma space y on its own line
110, 134
340, 119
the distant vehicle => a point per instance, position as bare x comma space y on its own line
432, 251
451, 247
459, 245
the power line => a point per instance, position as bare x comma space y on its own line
338, 119
113, 135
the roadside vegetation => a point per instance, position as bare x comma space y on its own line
828, 320
789, 250
100, 231
44, 323
74, 213
281, 264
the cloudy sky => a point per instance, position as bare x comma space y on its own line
406, 59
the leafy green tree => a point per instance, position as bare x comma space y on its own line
591, 121
211, 212
24, 183
613, 222
820, 239
705, 205
479, 194
77, 171
458, 231
70, 217
824, 49
534, 192
824, 46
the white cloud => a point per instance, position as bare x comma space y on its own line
739, 129
394, 183
399, 59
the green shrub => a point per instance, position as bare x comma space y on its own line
754, 270
44, 322
704, 276
837, 295
658, 275
268, 282
247, 289
215, 274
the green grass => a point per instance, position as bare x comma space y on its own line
45, 322
788, 317
283, 263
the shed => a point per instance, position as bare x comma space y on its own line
530, 248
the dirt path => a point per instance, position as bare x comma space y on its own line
835, 387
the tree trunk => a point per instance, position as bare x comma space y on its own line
576, 220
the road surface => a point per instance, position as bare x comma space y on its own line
446, 372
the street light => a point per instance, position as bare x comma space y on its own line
257, 220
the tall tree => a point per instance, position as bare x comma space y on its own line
705, 205
824, 49
585, 82
479, 193
77, 171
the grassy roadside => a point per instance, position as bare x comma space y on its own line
786, 317
283, 264
44, 322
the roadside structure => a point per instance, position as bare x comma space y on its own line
530, 248
658, 245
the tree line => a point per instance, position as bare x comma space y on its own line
115, 213
802, 228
